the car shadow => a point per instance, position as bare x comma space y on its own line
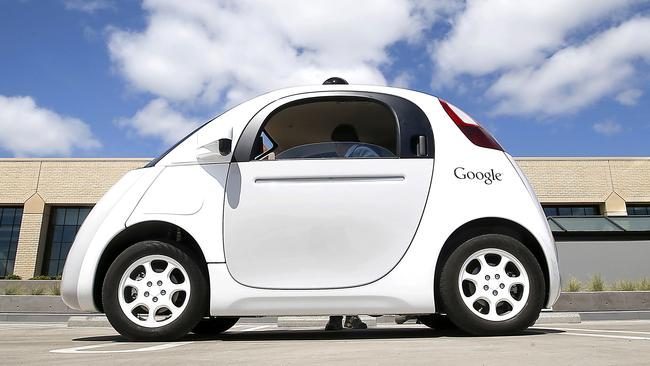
319, 334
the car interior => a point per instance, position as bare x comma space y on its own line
304, 130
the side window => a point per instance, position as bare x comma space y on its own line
353, 128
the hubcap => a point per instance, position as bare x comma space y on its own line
154, 291
494, 284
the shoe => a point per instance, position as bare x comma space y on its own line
334, 323
400, 319
354, 322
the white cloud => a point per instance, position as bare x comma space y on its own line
27, 130
607, 128
157, 119
496, 35
216, 51
203, 54
629, 97
402, 80
87, 6
576, 76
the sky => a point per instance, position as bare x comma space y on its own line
109, 78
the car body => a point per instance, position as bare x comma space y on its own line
283, 224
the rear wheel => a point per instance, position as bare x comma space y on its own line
214, 325
492, 284
155, 291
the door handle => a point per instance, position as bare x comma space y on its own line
333, 179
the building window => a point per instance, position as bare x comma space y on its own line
571, 210
10, 218
64, 224
638, 210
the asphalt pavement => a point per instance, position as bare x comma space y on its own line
592, 343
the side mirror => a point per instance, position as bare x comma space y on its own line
216, 151
225, 146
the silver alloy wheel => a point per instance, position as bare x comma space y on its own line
154, 291
494, 284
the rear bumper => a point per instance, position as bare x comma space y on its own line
545, 238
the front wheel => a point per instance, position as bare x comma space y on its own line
492, 284
155, 291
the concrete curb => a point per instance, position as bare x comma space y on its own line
34, 304
603, 301
25, 317
88, 321
559, 317
614, 315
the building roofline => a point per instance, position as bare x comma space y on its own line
583, 158
71, 159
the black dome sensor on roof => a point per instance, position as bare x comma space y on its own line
335, 81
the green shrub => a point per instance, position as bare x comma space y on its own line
574, 285
13, 276
596, 283
624, 285
56, 290
643, 284
13, 290
41, 277
37, 290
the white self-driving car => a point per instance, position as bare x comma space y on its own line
329, 199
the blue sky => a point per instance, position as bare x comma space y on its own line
103, 78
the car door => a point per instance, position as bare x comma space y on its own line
306, 208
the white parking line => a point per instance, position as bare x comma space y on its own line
90, 349
602, 331
239, 326
256, 328
607, 336
598, 333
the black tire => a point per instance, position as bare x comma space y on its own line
437, 321
197, 303
465, 318
215, 325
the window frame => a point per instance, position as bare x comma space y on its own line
633, 206
571, 207
49, 239
14, 231
410, 119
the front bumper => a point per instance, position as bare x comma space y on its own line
106, 220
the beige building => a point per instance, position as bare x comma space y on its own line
44, 201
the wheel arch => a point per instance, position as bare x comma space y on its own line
489, 225
147, 230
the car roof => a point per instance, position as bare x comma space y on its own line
284, 92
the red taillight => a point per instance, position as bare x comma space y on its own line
472, 130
